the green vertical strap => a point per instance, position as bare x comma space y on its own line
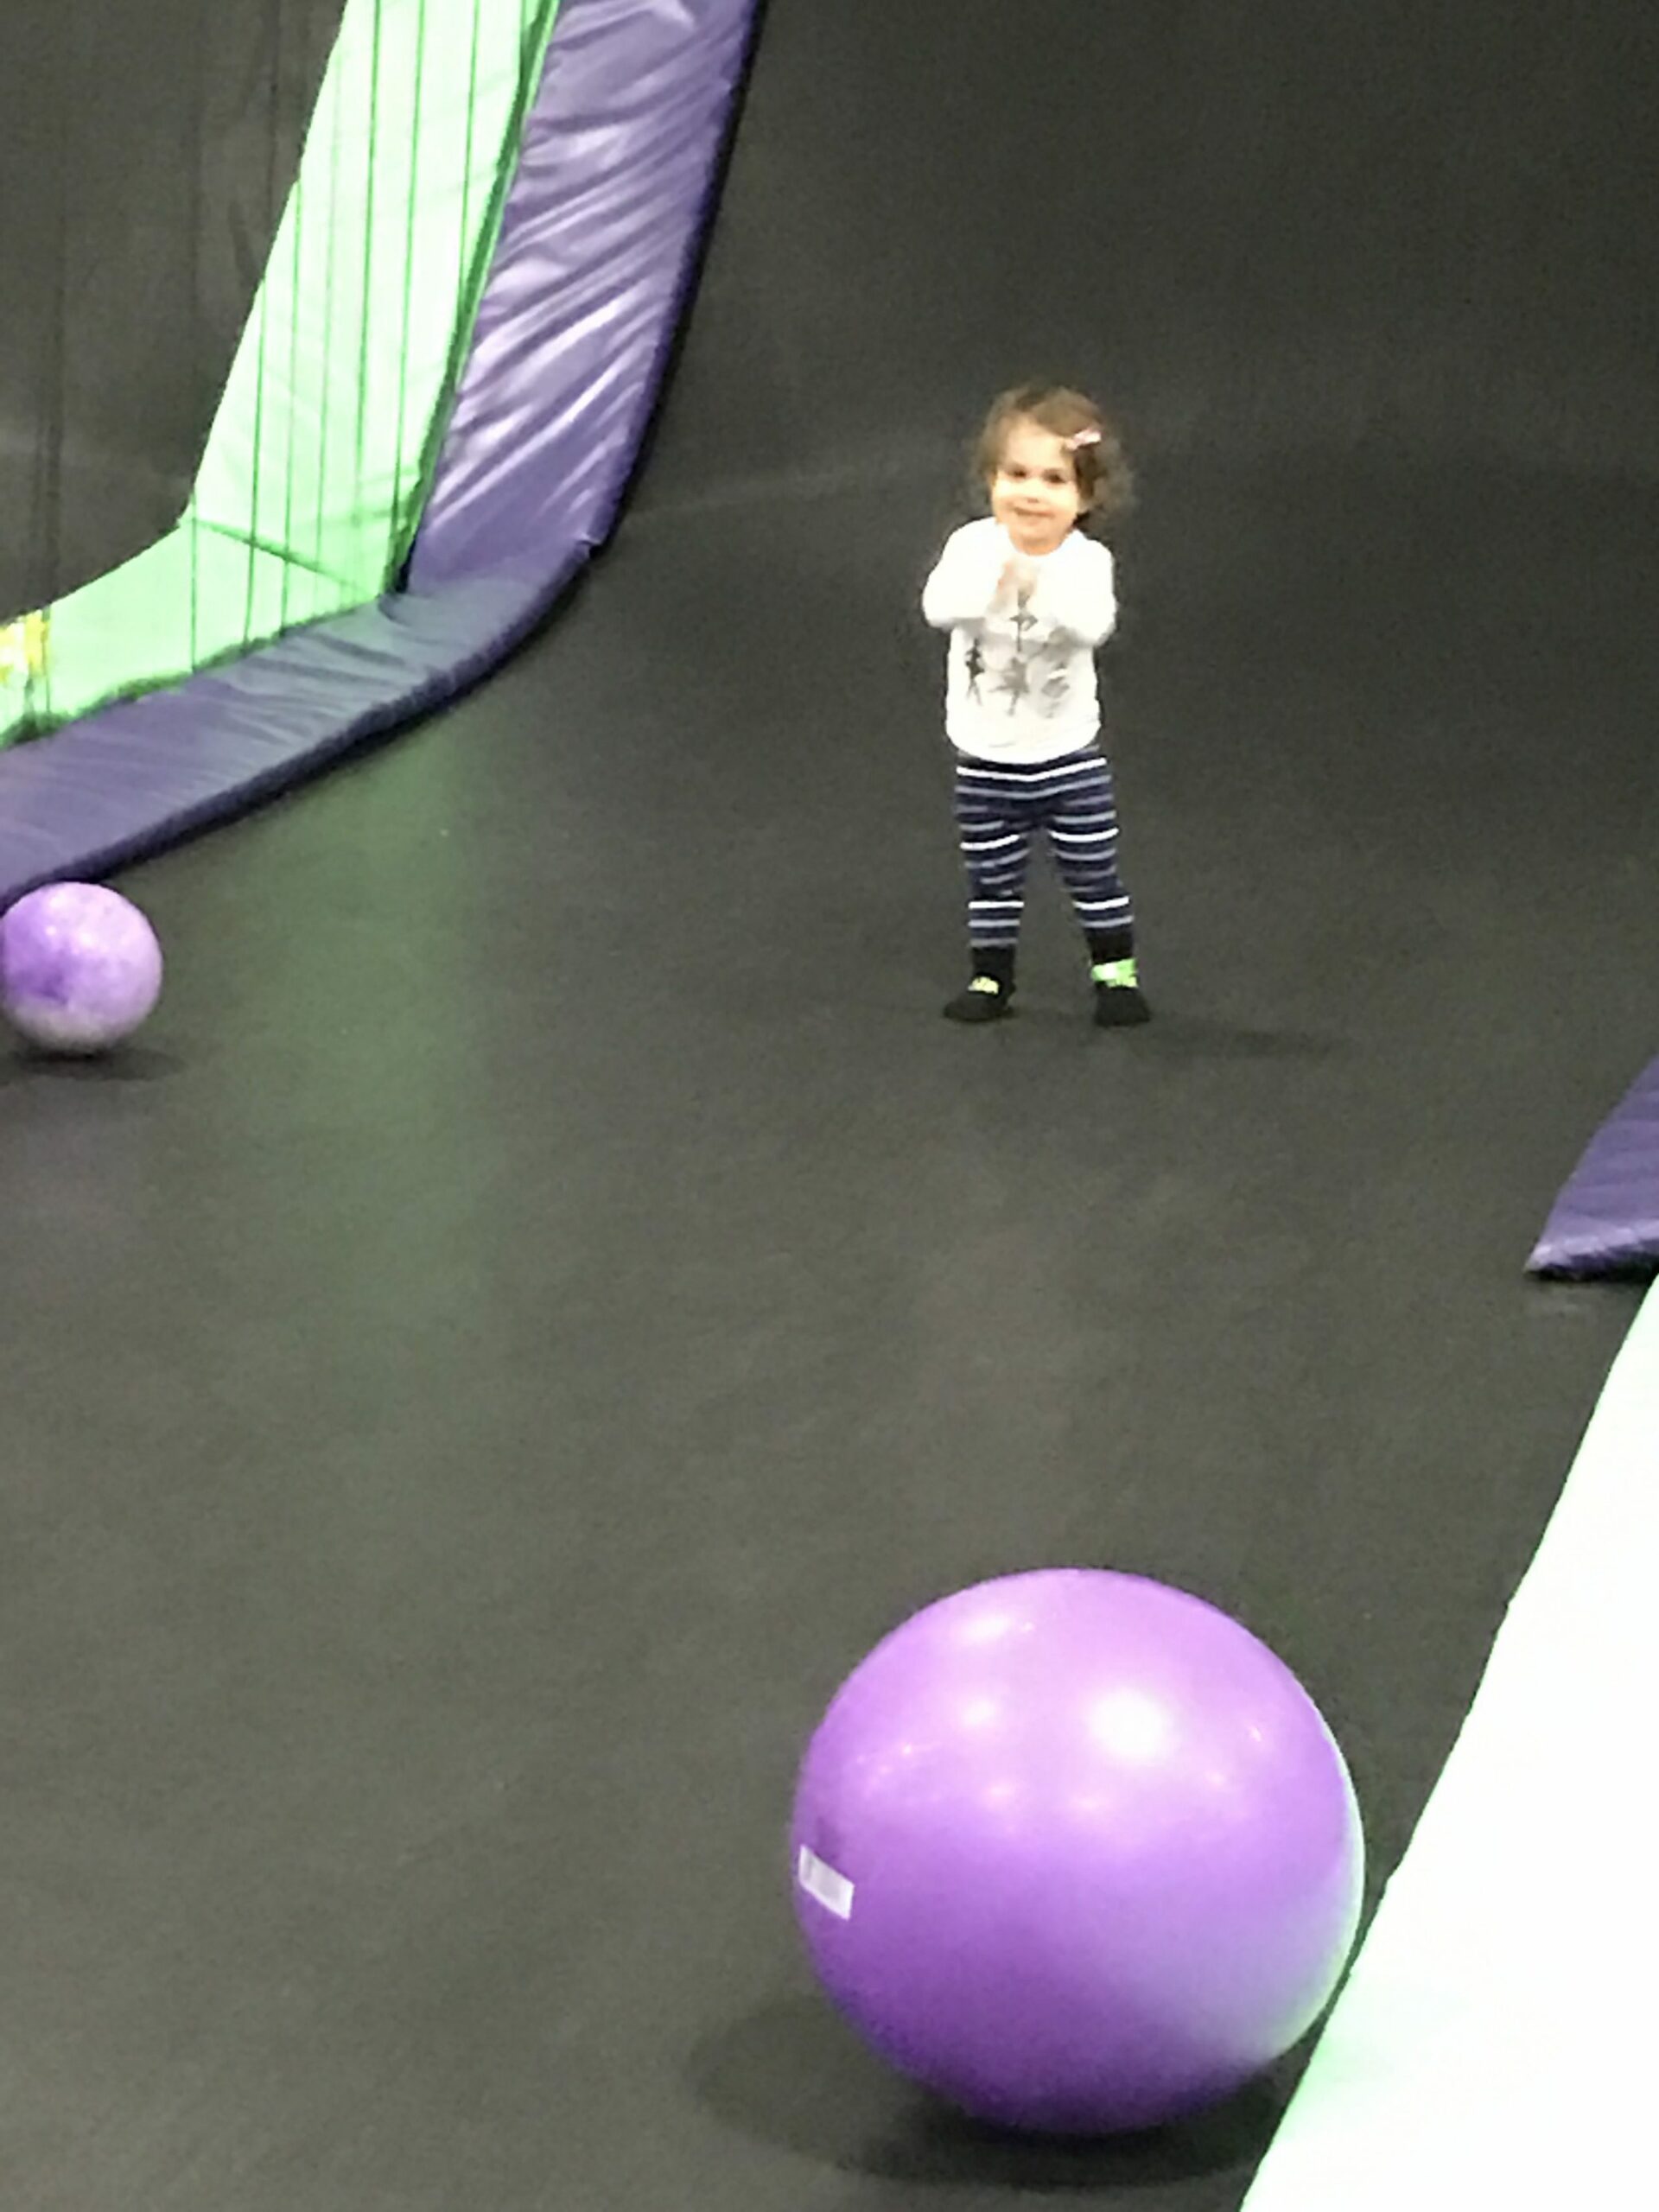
262, 315
331, 237
372, 159
472, 105
301, 200
471, 109
328, 427
407, 304
197, 137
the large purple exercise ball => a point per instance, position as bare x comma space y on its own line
1077, 1852
80, 967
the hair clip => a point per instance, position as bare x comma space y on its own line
1083, 438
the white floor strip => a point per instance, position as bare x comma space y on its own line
1497, 2045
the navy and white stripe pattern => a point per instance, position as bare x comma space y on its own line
1001, 805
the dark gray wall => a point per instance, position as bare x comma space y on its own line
1256, 223
146, 153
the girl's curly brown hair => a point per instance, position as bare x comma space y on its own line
1105, 477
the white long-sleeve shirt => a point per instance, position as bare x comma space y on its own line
1020, 673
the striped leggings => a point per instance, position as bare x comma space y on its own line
1000, 805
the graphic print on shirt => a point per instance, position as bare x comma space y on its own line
1014, 678
974, 665
1057, 685
1020, 676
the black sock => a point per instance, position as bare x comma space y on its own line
996, 961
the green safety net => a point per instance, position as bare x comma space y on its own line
312, 480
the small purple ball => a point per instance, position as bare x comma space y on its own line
1077, 1852
80, 967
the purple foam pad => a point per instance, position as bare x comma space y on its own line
613, 179
1606, 1219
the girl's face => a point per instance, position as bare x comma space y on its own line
1035, 492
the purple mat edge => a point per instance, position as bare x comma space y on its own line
599, 238
1606, 1220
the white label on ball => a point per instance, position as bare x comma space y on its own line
833, 1891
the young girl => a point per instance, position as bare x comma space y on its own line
1028, 600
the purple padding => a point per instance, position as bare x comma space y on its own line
599, 238
1606, 1220
150, 771
572, 335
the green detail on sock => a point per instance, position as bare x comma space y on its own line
988, 985
1116, 975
